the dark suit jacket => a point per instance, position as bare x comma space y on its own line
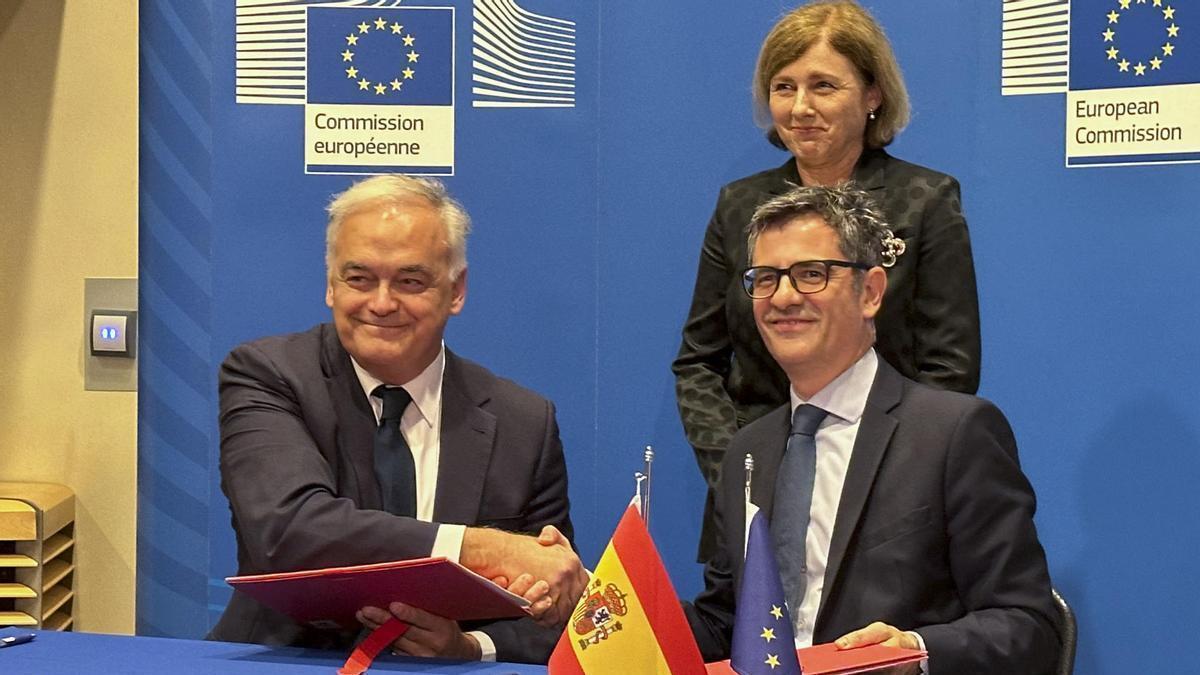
934, 533
297, 439
928, 327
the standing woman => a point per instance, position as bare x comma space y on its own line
828, 89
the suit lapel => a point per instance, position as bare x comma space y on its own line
874, 433
468, 435
768, 453
355, 424
785, 178
871, 174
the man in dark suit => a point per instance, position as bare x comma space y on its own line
309, 459
912, 524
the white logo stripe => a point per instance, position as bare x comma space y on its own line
1035, 46
521, 59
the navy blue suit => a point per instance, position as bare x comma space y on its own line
934, 533
297, 439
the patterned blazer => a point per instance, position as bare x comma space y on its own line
928, 327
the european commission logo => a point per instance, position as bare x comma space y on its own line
377, 77
380, 93
1130, 70
380, 56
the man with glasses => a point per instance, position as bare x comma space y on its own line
899, 512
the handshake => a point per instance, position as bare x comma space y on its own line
543, 569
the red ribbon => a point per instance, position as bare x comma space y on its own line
364, 654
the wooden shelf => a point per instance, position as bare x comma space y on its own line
54, 599
17, 560
54, 572
56, 545
17, 619
58, 621
18, 520
37, 539
16, 591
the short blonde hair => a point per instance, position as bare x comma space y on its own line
853, 33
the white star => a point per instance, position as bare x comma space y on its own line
1168, 49
1169, 12
396, 28
352, 72
1140, 68
1156, 63
413, 56
380, 24
347, 56
364, 27
1113, 17
1108, 34
1172, 31
408, 40
1123, 66
1124, 4
380, 88
364, 84
351, 40
1112, 53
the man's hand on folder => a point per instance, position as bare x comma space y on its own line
549, 558
880, 633
428, 635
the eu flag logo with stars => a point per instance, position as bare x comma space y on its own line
1133, 43
763, 639
380, 56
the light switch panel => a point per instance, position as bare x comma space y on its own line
114, 333
110, 334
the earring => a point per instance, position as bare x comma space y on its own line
871, 115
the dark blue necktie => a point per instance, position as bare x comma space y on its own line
793, 501
394, 466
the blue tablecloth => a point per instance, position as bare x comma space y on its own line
54, 653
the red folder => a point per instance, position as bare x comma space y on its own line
827, 659
329, 597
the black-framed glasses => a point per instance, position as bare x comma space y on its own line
808, 276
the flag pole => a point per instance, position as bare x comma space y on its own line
647, 471
749, 464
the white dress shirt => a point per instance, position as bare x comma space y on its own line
845, 399
422, 429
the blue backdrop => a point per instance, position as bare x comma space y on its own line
588, 225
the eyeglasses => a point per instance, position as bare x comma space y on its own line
808, 276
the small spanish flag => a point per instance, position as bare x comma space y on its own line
629, 620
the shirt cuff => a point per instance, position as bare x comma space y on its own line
487, 648
448, 543
921, 645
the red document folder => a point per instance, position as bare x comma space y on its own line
329, 597
827, 659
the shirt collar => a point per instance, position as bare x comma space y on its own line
846, 396
425, 388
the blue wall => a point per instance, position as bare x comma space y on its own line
588, 227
